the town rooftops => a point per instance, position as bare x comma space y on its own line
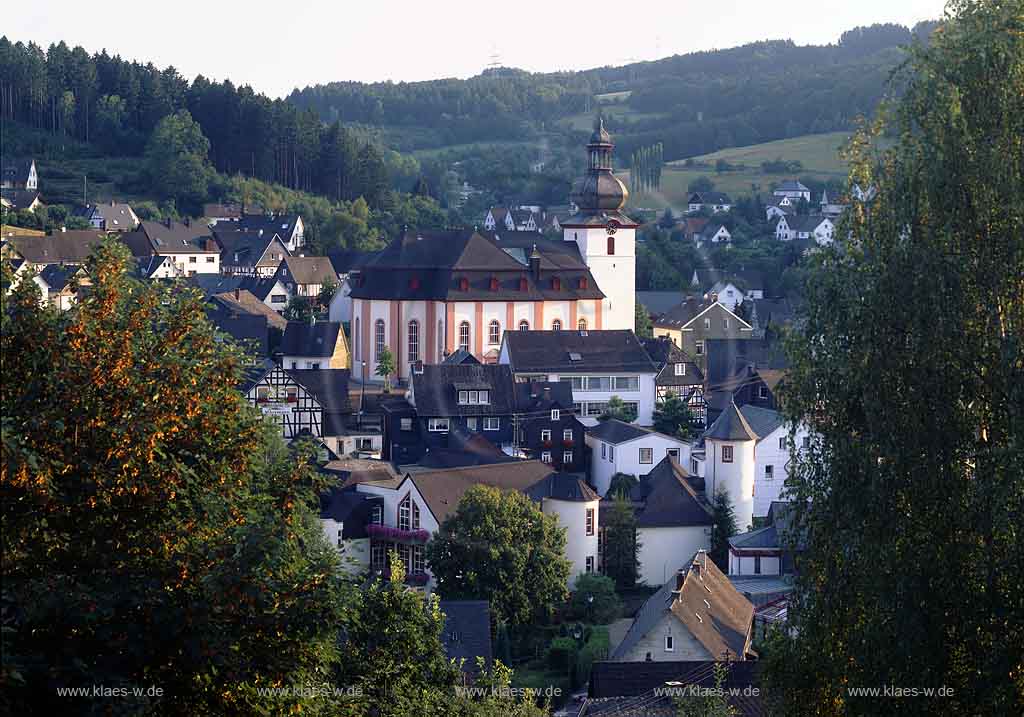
244, 301
308, 270
710, 198
19, 198
436, 390
68, 247
247, 329
577, 351
562, 486
304, 338
684, 312
665, 354
171, 237
282, 224
345, 260
115, 216
666, 497
351, 508
616, 432
791, 185
216, 284
731, 426
762, 421
329, 387
704, 600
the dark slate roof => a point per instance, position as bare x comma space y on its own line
244, 328
774, 535
563, 486
213, 284
615, 431
328, 385
16, 170
222, 211
467, 632
665, 497
665, 354
556, 351
345, 260
436, 389
631, 679
69, 247
534, 396
762, 421
19, 198
245, 302
460, 357
683, 313
146, 267
433, 264
658, 302
465, 448
731, 426
170, 238
765, 538
283, 224
308, 270
710, 198
255, 373
349, 507
57, 276
805, 223
712, 228
724, 629
303, 338
248, 245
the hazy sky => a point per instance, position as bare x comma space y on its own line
276, 46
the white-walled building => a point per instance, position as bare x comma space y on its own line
730, 464
617, 447
772, 454
190, 247
790, 227
599, 364
769, 550
793, 189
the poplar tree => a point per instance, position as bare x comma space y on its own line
909, 368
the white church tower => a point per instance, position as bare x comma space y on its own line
729, 452
605, 236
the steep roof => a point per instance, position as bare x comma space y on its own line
328, 385
19, 198
345, 260
710, 198
436, 389
665, 354
533, 396
762, 421
309, 270
302, 338
665, 497
724, 628
562, 486
170, 238
249, 246
216, 284
658, 302
68, 247
116, 216
731, 426
283, 224
244, 328
244, 301
575, 351
467, 632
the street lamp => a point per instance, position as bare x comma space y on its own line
362, 396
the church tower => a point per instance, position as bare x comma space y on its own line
605, 236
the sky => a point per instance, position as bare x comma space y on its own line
276, 46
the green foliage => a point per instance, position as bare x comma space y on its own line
722, 529
156, 530
701, 184
644, 325
918, 458
621, 561
622, 483
618, 410
562, 654
595, 649
498, 546
176, 160
594, 599
672, 417
385, 366
299, 308
327, 290
712, 703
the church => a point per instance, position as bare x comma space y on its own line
429, 294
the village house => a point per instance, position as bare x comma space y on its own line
289, 227
306, 275
216, 213
20, 174
62, 248
62, 284
597, 364
498, 218
270, 291
190, 246
792, 189
695, 321
777, 206
813, 226
713, 232
314, 345
617, 447
711, 201
731, 288
248, 253
696, 615
110, 216
776, 443
769, 550
678, 375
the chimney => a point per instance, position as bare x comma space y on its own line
111, 202
547, 393
238, 294
535, 263
167, 222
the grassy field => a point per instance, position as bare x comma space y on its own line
818, 153
585, 120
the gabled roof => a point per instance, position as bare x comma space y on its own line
214, 284
244, 301
731, 426
575, 351
459, 357
436, 389
329, 387
724, 628
710, 198
246, 329
808, 223
59, 277
283, 224
249, 246
615, 431
170, 238
116, 216
791, 185
68, 247
308, 270
563, 486
665, 354
666, 497
302, 338
686, 312
762, 421
443, 489
19, 198
542, 396
467, 632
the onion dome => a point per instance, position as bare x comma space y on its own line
600, 190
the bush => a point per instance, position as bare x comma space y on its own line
562, 654
595, 650
605, 605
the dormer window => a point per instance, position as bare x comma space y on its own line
474, 398
463, 284
522, 283
494, 283
556, 283
414, 282
680, 369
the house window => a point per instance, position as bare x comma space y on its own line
437, 425
647, 455
405, 513
545, 457
700, 348
491, 423
464, 336
315, 365
378, 337
725, 324
484, 397
555, 414
192, 260
567, 434
693, 466
282, 299
672, 453
611, 246
471, 423
545, 435
726, 454
782, 443
590, 521
414, 341
669, 644
707, 324
378, 556
757, 565
762, 392
474, 397
627, 383
494, 333
581, 325
604, 451
567, 457
211, 259
405, 424
418, 562
590, 563
769, 472
611, 452
524, 325
680, 369
377, 516
463, 397
556, 325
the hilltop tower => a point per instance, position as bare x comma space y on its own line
730, 446
605, 236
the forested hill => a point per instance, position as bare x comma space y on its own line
693, 103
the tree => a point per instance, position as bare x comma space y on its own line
622, 483
701, 184
668, 219
723, 528
176, 159
156, 530
618, 410
299, 308
385, 367
672, 417
621, 560
898, 487
499, 546
644, 325
594, 599
327, 290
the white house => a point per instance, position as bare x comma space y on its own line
598, 364
730, 464
314, 345
712, 201
189, 246
498, 219
793, 189
714, 233
814, 226
772, 454
618, 447
768, 550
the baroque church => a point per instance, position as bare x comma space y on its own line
429, 294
